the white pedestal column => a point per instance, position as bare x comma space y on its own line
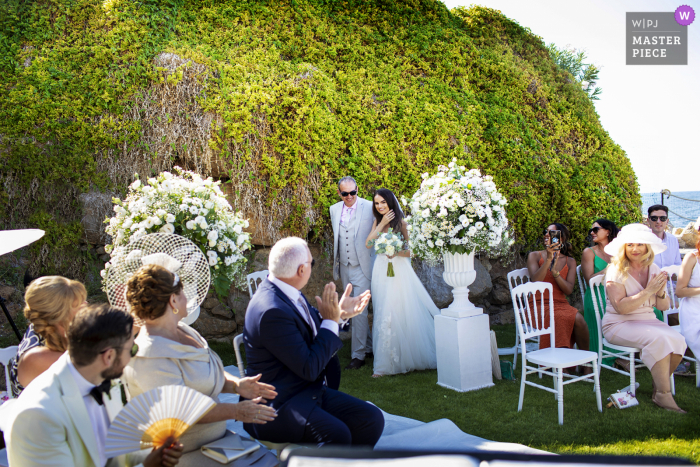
463, 352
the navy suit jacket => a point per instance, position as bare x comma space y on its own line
280, 345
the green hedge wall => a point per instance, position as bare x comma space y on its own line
382, 90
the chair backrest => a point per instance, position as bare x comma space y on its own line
253, 279
598, 297
529, 314
5, 355
581, 283
237, 342
518, 277
673, 273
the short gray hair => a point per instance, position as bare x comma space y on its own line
286, 256
346, 179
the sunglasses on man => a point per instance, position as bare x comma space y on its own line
658, 218
348, 193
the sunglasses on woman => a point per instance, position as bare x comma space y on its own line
595, 229
658, 218
545, 232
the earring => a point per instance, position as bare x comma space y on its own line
176, 311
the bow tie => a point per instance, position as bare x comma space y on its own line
97, 391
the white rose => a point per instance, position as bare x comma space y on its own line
148, 223
168, 229
242, 239
127, 223
439, 242
212, 243
169, 218
426, 213
184, 207
161, 212
390, 250
479, 225
190, 225
442, 213
156, 220
208, 205
194, 210
136, 184
430, 243
213, 235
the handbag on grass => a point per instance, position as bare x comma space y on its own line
229, 448
623, 400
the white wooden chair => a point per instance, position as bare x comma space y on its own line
253, 280
581, 283
237, 343
674, 308
515, 278
6, 355
627, 352
530, 319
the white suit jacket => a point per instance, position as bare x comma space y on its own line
50, 425
364, 218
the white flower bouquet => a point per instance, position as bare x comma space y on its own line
457, 211
187, 205
388, 244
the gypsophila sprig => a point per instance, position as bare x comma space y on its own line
184, 204
388, 244
457, 211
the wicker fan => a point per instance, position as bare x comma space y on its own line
150, 418
173, 252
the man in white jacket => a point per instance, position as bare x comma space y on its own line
62, 417
352, 220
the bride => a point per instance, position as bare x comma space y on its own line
403, 330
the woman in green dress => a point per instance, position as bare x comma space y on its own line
594, 262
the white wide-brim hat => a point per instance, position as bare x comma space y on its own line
635, 233
175, 253
11, 240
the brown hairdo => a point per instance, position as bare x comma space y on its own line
148, 291
49, 301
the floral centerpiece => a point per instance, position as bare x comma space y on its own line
454, 214
388, 244
185, 204
457, 211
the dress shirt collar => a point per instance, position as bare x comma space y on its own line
84, 386
290, 291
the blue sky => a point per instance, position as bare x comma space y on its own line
652, 112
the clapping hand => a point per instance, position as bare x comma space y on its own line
657, 282
253, 411
353, 306
251, 387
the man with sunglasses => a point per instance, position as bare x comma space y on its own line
658, 221
63, 416
352, 221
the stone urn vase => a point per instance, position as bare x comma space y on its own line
460, 274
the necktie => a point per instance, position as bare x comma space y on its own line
308, 315
97, 391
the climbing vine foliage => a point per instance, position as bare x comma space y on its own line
279, 99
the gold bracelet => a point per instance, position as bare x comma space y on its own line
557, 274
662, 296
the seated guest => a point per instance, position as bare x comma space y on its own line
634, 285
688, 290
291, 343
658, 222
594, 262
171, 352
51, 304
63, 417
555, 265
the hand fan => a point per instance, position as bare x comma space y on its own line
150, 418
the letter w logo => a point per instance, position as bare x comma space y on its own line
685, 15
637, 23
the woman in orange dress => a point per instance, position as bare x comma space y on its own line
555, 265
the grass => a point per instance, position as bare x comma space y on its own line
492, 413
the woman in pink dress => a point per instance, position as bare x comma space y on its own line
634, 285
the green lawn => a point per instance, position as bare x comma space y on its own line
492, 413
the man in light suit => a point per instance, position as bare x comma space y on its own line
291, 343
352, 220
62, 417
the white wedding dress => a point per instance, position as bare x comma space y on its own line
403, 332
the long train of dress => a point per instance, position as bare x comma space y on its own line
403, 333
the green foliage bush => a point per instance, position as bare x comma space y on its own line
382, 90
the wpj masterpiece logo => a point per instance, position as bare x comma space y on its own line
655, 38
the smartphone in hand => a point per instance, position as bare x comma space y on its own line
555, 239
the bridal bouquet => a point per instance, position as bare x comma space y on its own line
185, 204
388, 244
457, 211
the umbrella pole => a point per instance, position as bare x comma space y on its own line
9, 318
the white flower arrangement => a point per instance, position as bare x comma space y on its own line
187, 205
456, 211
388, 244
